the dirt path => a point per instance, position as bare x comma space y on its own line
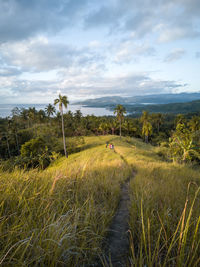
117, 242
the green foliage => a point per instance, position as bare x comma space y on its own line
33, 147
147, 128
120, 111
27, 124
34, 153
50, 110
182, 145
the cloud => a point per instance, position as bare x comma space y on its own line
38, 54
175, 55
129, 51
169, 20
9, 71
82, 85
75, 46
20, 19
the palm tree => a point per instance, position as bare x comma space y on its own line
62, 101
12, 126
120, 111
24, 116
147, 126
50, 110
104, 127
157, 119
147, 130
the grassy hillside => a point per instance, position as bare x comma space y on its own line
164, 209
59, 216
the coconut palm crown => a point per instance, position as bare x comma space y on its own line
50, 110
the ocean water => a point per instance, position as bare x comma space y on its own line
5, 109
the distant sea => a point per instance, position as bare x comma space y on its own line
5, 109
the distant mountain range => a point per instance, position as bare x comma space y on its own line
111, 101
164, 103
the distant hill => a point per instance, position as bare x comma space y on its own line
175, 108
135, 100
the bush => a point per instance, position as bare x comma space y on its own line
34, 153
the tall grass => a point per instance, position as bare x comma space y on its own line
164, 212
58, 217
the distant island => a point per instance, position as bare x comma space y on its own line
165, 103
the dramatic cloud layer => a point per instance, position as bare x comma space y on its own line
87, 48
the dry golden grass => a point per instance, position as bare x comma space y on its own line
164, 208
59, 216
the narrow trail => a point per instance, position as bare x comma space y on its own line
117, 241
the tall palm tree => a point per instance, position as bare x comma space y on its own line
120, 111
62, 101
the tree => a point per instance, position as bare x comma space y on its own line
157, 119
62, 101
32, 113
147, 126
50, 110
129, 127
77, 116
147, 130
194, 123
180, 118
12, 126
24, 116
120, 111
34, 153
182, 145
41, 115
104, 127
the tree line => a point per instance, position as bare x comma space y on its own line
32, 138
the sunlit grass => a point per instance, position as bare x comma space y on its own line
59, 216
164, 212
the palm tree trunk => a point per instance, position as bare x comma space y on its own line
17, 142
184, 155
8, 146
120, 128
158, 127
63, 132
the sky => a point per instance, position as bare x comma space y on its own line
90, 48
